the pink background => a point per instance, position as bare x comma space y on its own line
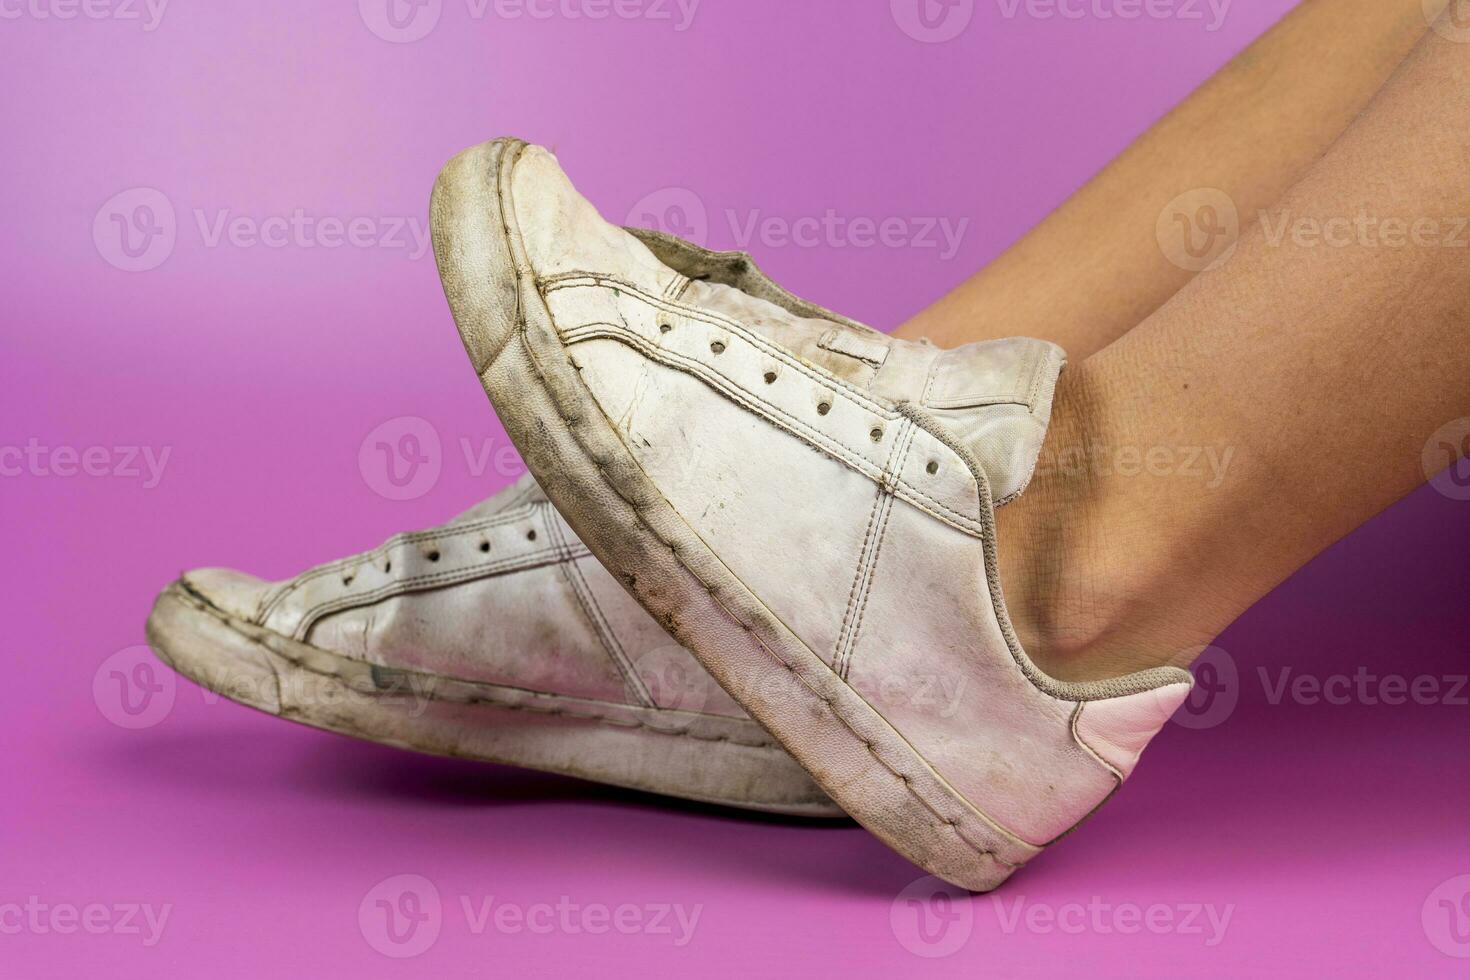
1324, 829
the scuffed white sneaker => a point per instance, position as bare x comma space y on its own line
806, 503
496, 637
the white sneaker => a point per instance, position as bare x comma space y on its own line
805, 503
496, 636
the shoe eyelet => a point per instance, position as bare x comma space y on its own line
877, 434
823, 408
716, 347
484, 546
347, 579
388, 565
665, 327
531, 534
433, 555
932, 468
770, 377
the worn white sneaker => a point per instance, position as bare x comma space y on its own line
496, 636
806, 503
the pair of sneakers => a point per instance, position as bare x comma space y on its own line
754, 561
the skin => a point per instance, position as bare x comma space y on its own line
1317, 371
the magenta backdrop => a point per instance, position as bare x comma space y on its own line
223, 363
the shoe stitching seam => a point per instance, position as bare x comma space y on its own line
601, 626
887, 495
424, 583
858, 599
271, 599
771, 745
778, 417
566, 280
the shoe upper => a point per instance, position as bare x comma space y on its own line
503, 594
849, 480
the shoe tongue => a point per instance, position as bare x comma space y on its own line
995, 397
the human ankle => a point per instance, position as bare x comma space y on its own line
1086, 572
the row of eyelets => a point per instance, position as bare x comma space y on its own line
435, 555
823, 407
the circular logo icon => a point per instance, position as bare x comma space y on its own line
1446, 917
932, 21
677, 211
1216, 690
133, 690
1198, 230
1450, 21
400, 21
401, 916
136, 229
1447, 460
675, 682
402, 458
932, 918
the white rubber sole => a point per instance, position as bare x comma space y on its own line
849, 748
707, 758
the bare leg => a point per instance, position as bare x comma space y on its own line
1094, 268
1322, 361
